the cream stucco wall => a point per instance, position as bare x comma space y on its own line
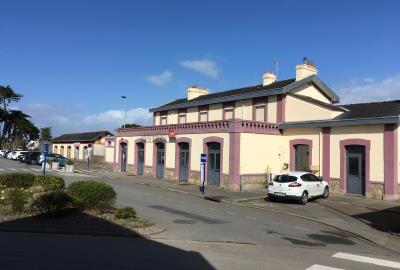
374, 133
215, 112
157, 119
313, 134
172, 117
261, 153
312, 92
272, 108
300, 110
192, 115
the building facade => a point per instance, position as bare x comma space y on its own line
254, 132
75, 145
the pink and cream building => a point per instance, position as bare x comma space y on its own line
253, 132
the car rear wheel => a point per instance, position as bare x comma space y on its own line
304, 198
326, 193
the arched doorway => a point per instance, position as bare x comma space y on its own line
355, 169
184, 159
76, 153
123, 156
62, 150
140, 158
160, 159
214, 163
68, 151
301, 160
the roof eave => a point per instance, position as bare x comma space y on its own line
341, 122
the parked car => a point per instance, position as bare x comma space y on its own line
2, 151
6, 153
61, 159
10, 154
14, 154
21, 157
32, 158
300, 186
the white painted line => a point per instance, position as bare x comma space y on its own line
2, 170
36, 170
12, 169
253, 218
322, 267
230, 213
25, 170
364, 259
276, 223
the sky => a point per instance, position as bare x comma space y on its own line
73, 60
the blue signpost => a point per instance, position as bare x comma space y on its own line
46, 150
203, 161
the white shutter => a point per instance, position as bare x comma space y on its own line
228, 114
163, 120
260, 113
203, 116
182, 118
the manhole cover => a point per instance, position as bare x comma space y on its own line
184, 221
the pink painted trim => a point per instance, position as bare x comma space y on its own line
177, 151
281, 108
234, 158
326, 153
136, 160
205, 150
390, 159
204, 127
343, 161
115, 154
292, 152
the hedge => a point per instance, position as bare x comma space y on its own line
50, 182
17, 180
92, 194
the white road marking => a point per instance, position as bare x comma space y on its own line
2, 170
364, 259
253, 218
230, 213
322, 267
25, 170
37, 170
12, 169
276, 223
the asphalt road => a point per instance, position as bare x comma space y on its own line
207, 234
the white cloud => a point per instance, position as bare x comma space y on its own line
66, 119
368, 89
205, 66
160, 79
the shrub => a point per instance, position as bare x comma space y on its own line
51, 202
125, 213
17, 198
92, 194
69, 162
17, 180
50, 182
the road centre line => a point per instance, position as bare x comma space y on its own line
230, 213
302, 228
364, 259
322, 267
13, 169
253, 218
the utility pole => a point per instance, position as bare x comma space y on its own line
124, 98
276, 62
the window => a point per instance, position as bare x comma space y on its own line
163, 120
182, 116
260, 113
203, 113
228, 111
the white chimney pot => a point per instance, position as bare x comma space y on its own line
269, 78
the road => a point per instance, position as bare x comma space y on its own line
211, 234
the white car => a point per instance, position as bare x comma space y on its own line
300, 186
2, 152
14, 154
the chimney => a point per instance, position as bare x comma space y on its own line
269, 78
194, 92
306, 69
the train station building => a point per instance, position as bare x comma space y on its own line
253, 132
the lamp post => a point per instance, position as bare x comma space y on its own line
124, 98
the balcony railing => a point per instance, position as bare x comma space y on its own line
206, 127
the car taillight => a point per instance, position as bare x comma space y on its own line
270, 183
294, 184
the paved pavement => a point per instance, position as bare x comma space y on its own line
208, 233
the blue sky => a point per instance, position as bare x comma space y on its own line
72, 60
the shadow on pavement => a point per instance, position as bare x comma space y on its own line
387, 220
58, 249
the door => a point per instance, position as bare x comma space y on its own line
214, 164
76, 153
301, 157
183, 162
140, 158
355, 173
69, 152
160, 159
124, 149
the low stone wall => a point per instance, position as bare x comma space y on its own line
170, 173
256, 181
148, 171
375, 191
334, 185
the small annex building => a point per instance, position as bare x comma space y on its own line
75, 145
253, 132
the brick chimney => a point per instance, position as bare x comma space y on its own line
194, 92
306, 69
269, 78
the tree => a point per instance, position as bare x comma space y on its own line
45, 134
7, 95
131, 126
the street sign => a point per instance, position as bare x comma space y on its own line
203, 158
203, 161
171, 133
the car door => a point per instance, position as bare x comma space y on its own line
318, 185
309, 183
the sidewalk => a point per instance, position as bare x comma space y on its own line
373, 220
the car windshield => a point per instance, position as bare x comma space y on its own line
284, 178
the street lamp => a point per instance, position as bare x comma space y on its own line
124, 98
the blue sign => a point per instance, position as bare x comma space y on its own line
203, 158
46, 148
